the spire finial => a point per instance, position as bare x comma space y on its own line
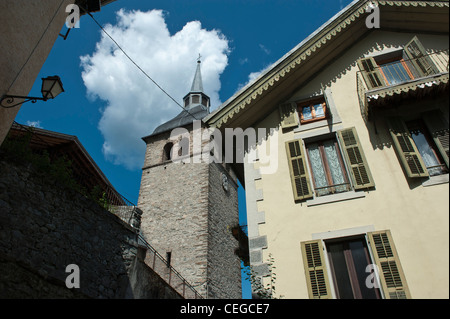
199, 58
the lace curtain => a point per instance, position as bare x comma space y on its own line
320, 179
335, 166
318, 168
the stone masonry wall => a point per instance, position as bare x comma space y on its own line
44, 228
224, 272
186, 212
173, 198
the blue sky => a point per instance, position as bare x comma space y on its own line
108, 103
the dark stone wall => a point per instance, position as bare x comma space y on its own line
45, 227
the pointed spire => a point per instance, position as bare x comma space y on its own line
197, 84
196, 97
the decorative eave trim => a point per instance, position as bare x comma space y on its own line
406, 88
300, 54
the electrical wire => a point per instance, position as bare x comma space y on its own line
132, 61
37, 44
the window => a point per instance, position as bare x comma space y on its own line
205, 100
422, 144
312, 111
338, 267
195, 99
395, 71
397, 67
167, 152
322, 164
427, 148
348, 260
327, 168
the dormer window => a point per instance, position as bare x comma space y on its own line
313, 110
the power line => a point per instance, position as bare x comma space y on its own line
129, 58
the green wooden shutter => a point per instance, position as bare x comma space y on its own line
439, 131
386, 258
406, 149
419, 58
288, 114
371, 73
315, 270
298, 170
355, 158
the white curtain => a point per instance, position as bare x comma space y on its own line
318, 170
335, 166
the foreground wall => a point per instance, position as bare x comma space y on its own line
44, 228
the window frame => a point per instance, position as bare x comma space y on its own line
388, 274
312, 103
326, 167
350, 266
401, 60
420, 124
356, 166
407, 151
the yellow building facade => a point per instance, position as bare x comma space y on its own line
358, 206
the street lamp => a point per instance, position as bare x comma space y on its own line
51, 87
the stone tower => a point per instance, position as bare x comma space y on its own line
191, 207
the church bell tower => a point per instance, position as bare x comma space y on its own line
190, 208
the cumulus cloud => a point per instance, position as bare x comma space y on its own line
134, 104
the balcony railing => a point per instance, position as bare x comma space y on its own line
400, 76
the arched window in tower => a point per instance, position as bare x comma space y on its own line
167, 153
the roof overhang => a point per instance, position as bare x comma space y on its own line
92, 5
303, 62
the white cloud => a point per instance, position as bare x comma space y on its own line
134, 105
36, 124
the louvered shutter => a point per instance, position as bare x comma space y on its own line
316, 270
439, 131
355, 158
406, 149
288, 115
298, 170
419, 58
327, 101
371, 73
386, 258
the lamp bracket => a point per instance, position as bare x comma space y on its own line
11, 98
